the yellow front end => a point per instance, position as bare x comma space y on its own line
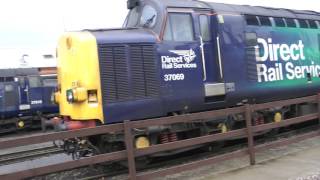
79, 88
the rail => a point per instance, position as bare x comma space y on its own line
130, 153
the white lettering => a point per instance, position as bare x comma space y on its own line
262, 73
285, 52
272, 51
294, 56
173, 77
183, 59
36, 102
301, 46
265, 50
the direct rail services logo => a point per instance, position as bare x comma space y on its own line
277, 62
183, 59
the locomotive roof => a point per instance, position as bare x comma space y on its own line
18, 72
243, 9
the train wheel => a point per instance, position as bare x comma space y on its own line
142, 142
277, 118
223, 128
216, 146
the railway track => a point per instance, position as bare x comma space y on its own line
234, 145
10, 158
116, 170
22, 134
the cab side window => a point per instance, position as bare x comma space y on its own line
205, 27
8, 88
22, 82
34, 81
50, 82
179, 27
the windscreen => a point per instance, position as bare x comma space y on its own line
142, 17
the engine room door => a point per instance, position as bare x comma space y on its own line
206, 29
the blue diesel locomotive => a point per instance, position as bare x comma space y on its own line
182, 56
25, 97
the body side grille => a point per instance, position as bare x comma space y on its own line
128, 72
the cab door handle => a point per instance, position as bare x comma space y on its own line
203, 59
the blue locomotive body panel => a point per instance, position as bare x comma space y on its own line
9, 106
274, 78
145, 74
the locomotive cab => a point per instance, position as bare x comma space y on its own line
30, 94
193, 23
189, 49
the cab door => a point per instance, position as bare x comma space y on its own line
24, 103
180, 62
35, 92
206, 29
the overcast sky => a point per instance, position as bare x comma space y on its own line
38, 23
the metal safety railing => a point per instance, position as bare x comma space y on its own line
130, 153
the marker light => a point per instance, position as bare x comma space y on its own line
92, 96
69, 42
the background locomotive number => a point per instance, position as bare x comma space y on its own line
173, 77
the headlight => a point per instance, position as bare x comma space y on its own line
70, 96
76, 95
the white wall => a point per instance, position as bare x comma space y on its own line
26, 58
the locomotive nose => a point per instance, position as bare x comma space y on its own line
78, 91
93, 69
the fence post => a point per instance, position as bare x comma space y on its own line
130, 150
250, 134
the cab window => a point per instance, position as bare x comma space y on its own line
148, 17
8, 88
179, 27
133, 17
204, 27
142, 17
50, 82
34, 81
22, 82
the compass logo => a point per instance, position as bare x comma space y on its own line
188, 55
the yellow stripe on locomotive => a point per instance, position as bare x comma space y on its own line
79, 94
